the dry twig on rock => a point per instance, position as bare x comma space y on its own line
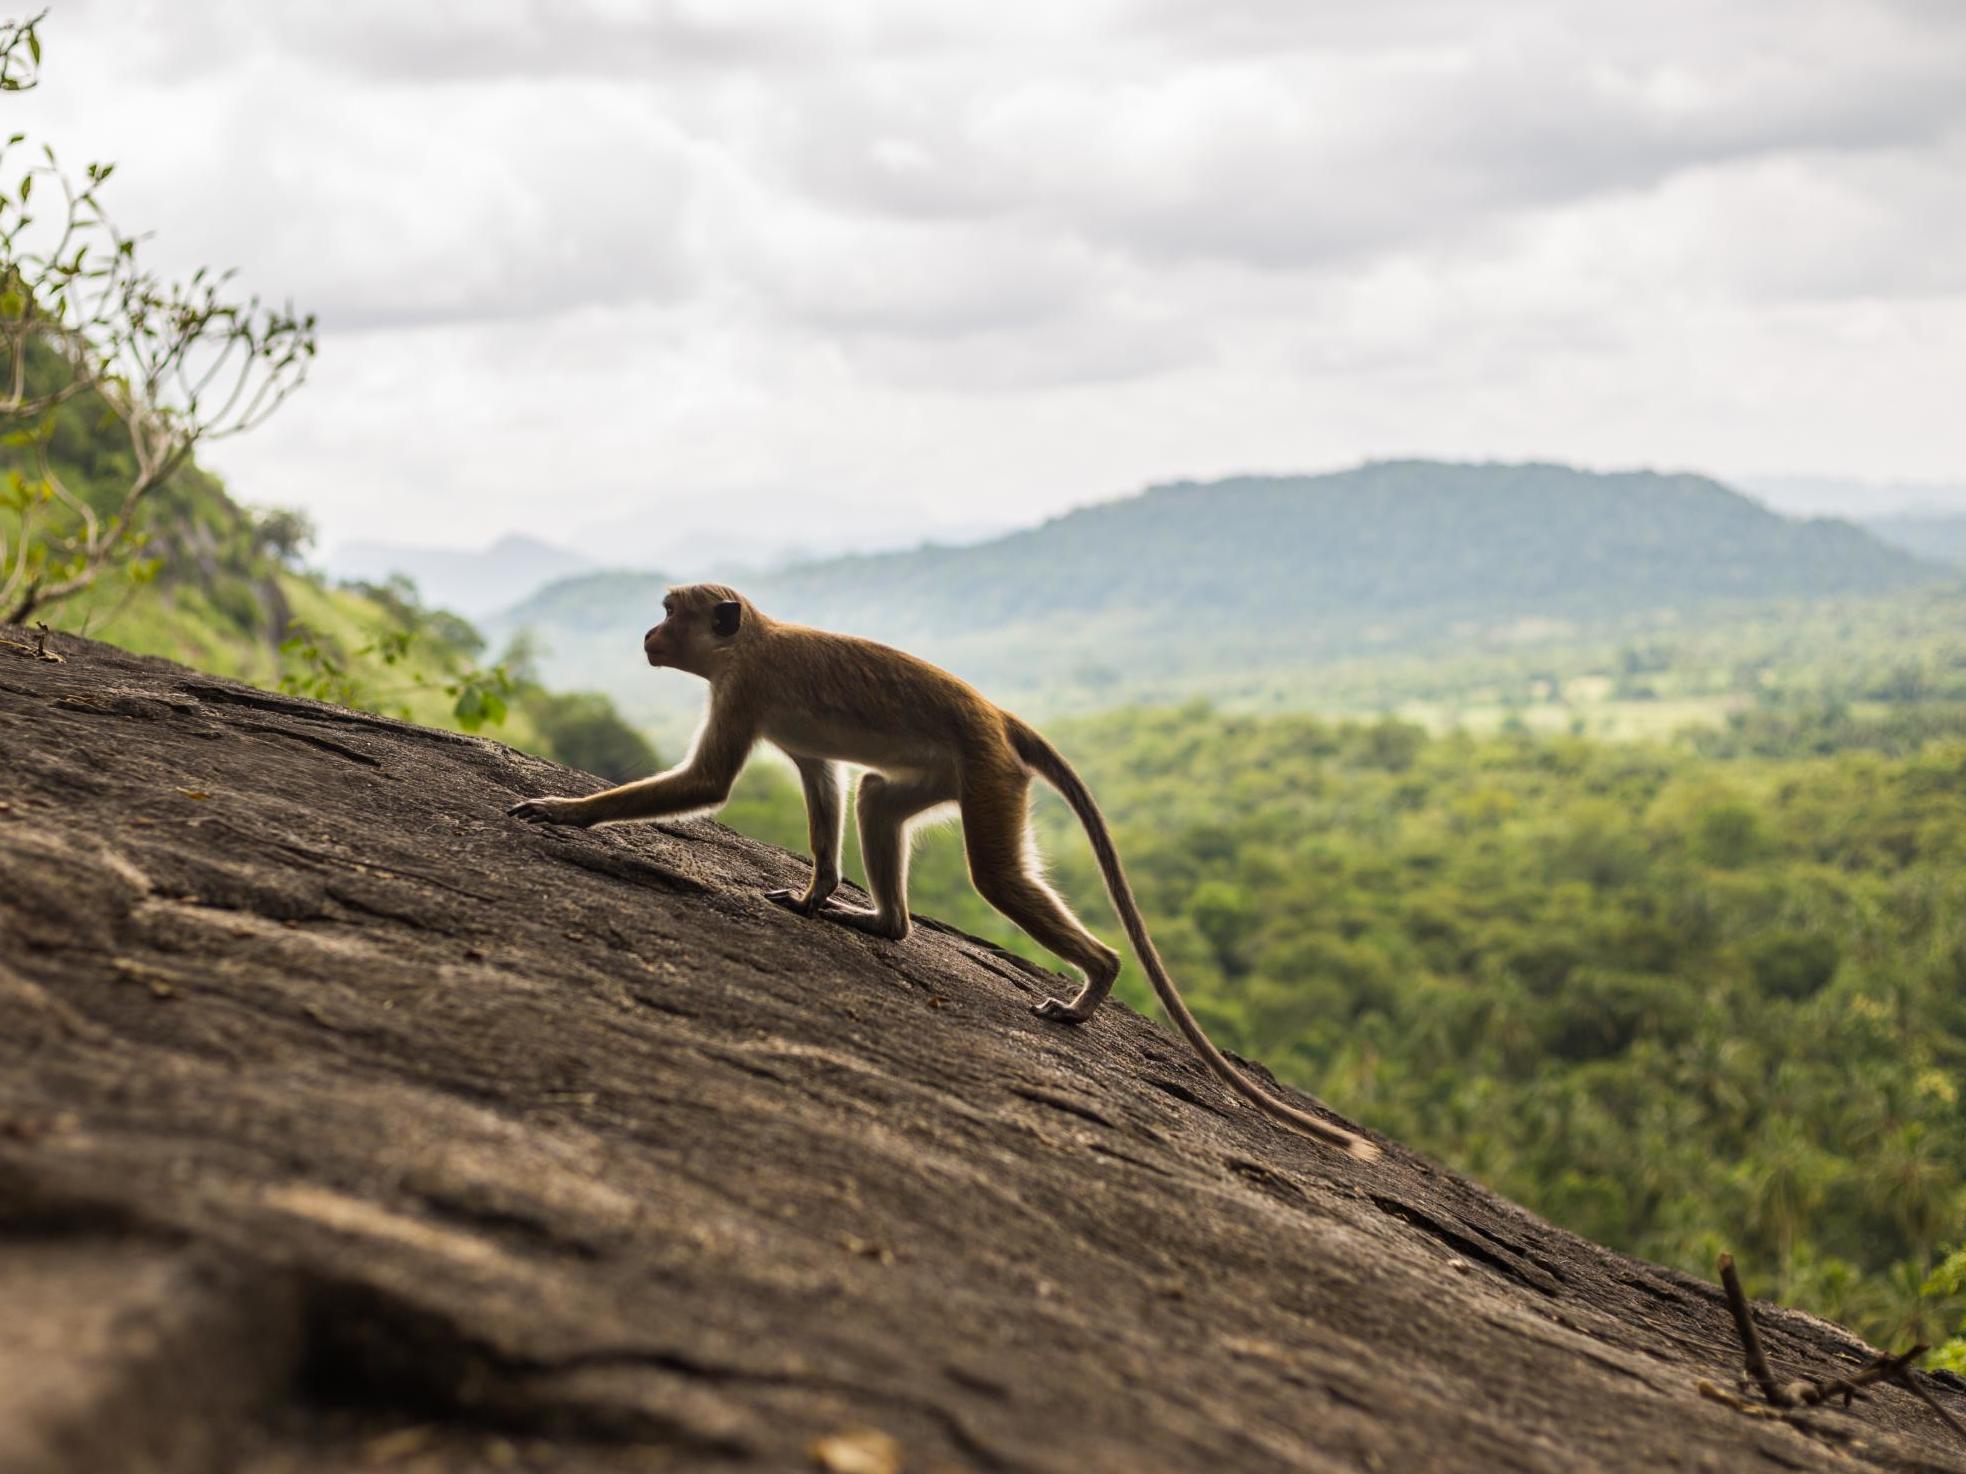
1810, 1392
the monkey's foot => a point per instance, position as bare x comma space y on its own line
871, 922
800, 901
1060, 1011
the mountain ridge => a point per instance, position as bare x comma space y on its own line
1279, 571
1937, 536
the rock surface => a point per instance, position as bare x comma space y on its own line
345, 1124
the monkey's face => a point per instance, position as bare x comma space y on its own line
694, 630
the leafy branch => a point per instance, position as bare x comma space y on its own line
481, 696
176, 363
20, 53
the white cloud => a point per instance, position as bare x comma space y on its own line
934, 267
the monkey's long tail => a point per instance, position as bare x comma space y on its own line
1049, 764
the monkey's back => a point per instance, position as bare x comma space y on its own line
858, 701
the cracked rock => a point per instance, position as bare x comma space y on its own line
345, 1123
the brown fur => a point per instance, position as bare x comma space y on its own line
927, 740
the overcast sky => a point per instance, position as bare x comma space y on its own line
818, 272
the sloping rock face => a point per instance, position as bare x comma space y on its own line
345, 1123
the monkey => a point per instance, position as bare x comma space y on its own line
926, 740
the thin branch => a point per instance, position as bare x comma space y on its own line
1785, 1399
1881, 1369
51, 478
1757, 1360
1908, 1380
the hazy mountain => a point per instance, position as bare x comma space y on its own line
1859, 499
1940, 536
1388, 539
471, 581
1185, 580
750, 535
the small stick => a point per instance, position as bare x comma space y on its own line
1758, 1367
1881, 1369
1906, 1380
1896, 1369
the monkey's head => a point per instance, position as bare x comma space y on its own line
700, 624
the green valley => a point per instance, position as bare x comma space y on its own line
1678, 996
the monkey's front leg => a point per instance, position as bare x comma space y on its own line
825, 813
681, 792
552, 811
701, 783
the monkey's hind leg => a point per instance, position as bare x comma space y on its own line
1003, 867
886, 805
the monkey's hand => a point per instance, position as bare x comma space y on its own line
552, 811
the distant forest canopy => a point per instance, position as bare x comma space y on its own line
1680, 999
1235, 589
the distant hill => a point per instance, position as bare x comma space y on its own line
1186, 579
471, 581
1940, 536
1861, 499
1393, 538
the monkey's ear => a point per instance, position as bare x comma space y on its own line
725, 619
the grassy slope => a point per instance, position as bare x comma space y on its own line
178, 621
